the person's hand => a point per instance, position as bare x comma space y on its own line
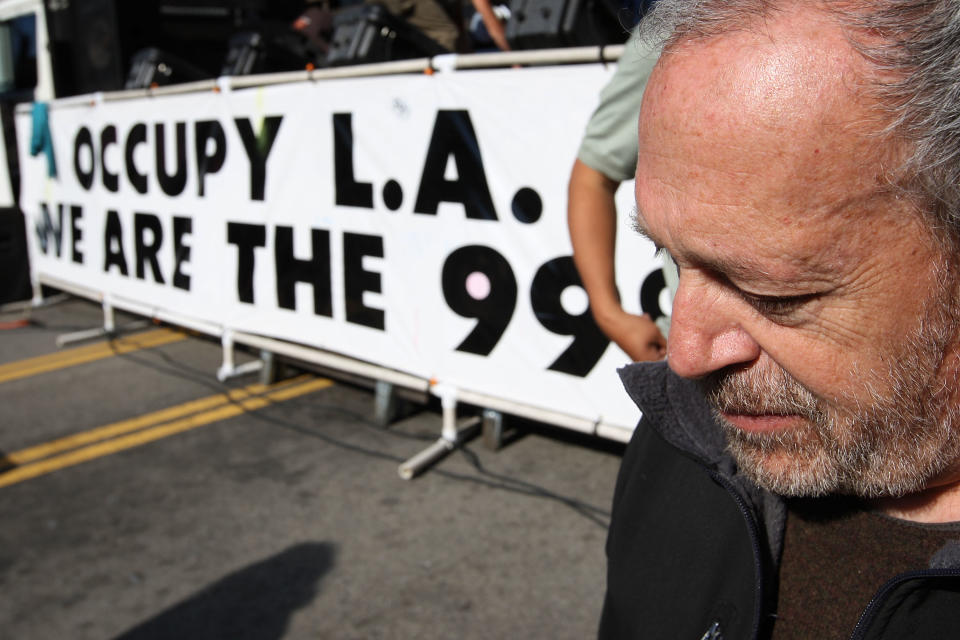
638, 336
592, 220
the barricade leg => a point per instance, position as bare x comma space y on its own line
109, 327
229, 369
452, 435
492, 429
37, 293
270, 370
384, 403
37, 302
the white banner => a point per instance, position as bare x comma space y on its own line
415, 222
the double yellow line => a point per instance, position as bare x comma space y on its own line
119, 436
81, 355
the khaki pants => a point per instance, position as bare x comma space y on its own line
427, 16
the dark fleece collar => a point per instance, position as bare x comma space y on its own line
676, 409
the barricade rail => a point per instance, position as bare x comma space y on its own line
442, 63
537, 252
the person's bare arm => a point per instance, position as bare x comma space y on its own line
592, 220
492, 23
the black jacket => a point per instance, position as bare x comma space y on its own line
693, 547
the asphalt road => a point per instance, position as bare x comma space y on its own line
137, 501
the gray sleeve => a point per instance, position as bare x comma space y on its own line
610, 142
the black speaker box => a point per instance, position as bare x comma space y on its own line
153, 67
245, 54
367, 33
251, 52
546, 24
93, 42
14, 265
85, 46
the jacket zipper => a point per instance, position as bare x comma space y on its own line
754, 540
888, 586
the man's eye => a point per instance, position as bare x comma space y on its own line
777, 306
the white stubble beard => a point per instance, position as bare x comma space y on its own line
894, 444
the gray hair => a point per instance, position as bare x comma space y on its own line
914, 47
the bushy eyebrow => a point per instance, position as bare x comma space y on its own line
743, 269
640, 228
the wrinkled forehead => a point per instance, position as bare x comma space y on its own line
794, 71
762, 139
780, 106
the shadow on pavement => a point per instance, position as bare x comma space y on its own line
254, 603
5, 463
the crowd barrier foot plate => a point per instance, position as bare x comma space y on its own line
98, 332
419, 463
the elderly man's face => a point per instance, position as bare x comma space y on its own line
812, 302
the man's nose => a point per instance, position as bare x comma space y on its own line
705, 330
